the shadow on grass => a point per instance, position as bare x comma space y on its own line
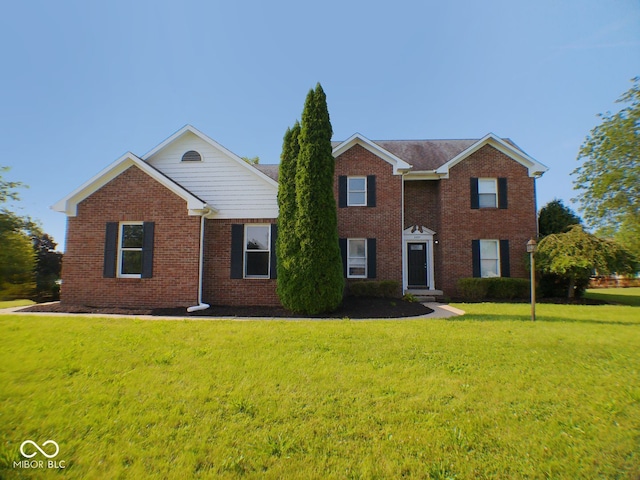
540, 319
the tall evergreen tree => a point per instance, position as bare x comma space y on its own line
317, 263
555, 217
287, 243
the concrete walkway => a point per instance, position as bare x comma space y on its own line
440, 310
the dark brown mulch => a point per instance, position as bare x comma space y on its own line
352, 307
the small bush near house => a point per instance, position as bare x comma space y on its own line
499, 288
382, 289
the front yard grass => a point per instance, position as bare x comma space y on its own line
486, 395
16, 303
623, 296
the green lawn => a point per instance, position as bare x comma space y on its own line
487, 395
16, 303
623, 296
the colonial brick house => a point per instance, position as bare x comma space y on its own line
192, 224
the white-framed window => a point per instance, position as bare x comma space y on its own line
257, 251
356, 258
489, 258
488, 192
130, 243
357, 191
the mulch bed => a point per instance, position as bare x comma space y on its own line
352, 307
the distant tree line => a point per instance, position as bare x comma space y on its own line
29, 263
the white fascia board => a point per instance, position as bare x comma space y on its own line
534, 167
69, 204
399, 165
422, 175
214, 144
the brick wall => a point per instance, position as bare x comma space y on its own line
422, 207
132, 196
384, 221
460, 224
219, 287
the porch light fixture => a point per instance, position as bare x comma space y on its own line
532, 246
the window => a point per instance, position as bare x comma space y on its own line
356, 191
487, 193
192, 156
130, 243
257, 252
128, 250
489, 258
357, 258
253, 251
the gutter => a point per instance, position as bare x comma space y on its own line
206, 212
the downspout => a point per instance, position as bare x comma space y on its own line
201, 305
403, 253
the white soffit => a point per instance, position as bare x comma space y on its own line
69, 204
534, 167
399, 165
214, 144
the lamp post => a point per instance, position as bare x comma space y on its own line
532, 246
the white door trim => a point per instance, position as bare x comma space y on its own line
418, 234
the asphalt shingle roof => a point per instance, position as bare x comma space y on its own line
423, 155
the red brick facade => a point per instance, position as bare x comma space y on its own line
132, 196
382, 222
442, 205
445, 207
219, 287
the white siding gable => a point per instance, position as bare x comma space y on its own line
236, 190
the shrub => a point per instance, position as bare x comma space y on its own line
382, 289
409, 297
473, 288
16, 291
499, 288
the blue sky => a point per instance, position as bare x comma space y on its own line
83, 82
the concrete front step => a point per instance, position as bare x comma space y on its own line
425, 298
424, 295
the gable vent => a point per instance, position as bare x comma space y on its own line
191, 156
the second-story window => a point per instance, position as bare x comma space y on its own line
488, 192
356, 191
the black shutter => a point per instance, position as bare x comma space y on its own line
110, 250
475, 197
147, 249
505, 267
371, 190
371, 258
343, 253
502, 192
274, 236
237, 250
342, 191
475, 255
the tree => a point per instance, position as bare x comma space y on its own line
48, 266
17, 258
317, 262
287, 243
609, 177
576, 254
252, 160
17, 263
555, 217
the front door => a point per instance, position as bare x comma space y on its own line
417, 259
